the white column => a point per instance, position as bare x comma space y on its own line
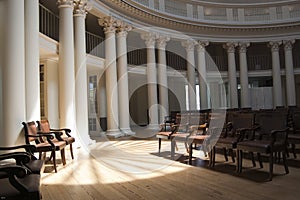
163, 77
151, 79
102, 105
13, 74
66, 65
245, 98
32, 60
81, 84
122, 32
230, 47
277, 88
202, 74
289, 71
190, 57
109, 24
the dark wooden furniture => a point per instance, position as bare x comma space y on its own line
269, 139
294, 136
44, 126
44, 142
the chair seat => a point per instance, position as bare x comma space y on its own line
45, 146
164, 134
31, 182
262, 146
197, 139
228, 142
180, 136
294, 138
36, 166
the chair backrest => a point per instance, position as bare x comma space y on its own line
30, 129
197, 118
269, 121
296, 121
44, 125
241, 120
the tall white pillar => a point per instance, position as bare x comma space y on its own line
13, 74
151, 79
189, 46
32, 58
102, 105
289, 71
245, 98
163, 77
66, 65
81, 84
124, 114
277, 88
202, 74
230, 47
109, 24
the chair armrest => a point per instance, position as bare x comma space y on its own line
241, 132
275, 134
20, 157
66, 130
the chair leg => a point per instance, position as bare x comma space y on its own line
190, 153
225, 154
232, 155
241, 161
63, 156
237, 161
213, 156
159, 145
173, 144
284, 162
54, 160
252, 158
259, 160
71, 150
271, 166
294, 150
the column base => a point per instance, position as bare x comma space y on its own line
127, 132
114, 133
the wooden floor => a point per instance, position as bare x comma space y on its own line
130, 168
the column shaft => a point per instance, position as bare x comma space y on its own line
202, 74
289, 71
66, 66
245, 98
81, 84
13, 74
277, 88
32, 60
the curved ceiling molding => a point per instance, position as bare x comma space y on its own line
139, 16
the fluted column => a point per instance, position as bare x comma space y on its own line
162, 76
277, 88
81, 84
66, 65
189, 46
109, 24
13, 74
202, 73
245, 98
230, 47
32, 60
151, 79
124, 114
289, 71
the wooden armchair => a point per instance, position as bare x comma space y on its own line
16, 180
230, 138
294, 136
33, 164
44, 142
44, 126
270, 138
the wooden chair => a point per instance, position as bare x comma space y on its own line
270, 138
294, 136
16, 180
44, 126
44, 142
34, 165
230, 137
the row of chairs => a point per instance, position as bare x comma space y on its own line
236, 131
47, 139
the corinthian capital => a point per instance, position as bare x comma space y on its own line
230, 47
274, 45
288, 44
201, 45
64, 3
109, 23
243, 47
80, 7
123, 28
162, 41
149, 39
189, 45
